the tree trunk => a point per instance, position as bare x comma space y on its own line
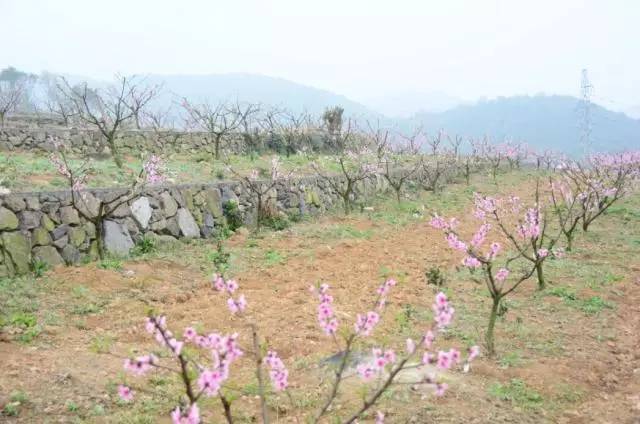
259, 214
489, 338
569, 237
217, 147
542, 284
115, 153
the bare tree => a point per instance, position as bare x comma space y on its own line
57, 103
141, 94
10, 97
261, 188
160, 124
356, 164
219, 121
293, 131
248, 114
399, 160
110, 109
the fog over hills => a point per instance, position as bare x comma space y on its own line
258, 89
544, 121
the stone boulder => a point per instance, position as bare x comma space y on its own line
69, 215
16, 246
48, 254
213, 202
169, 205
187, 224
117, 239
141, 210
8, 220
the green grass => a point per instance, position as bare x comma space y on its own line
590, 306
345, 232
28, 171
273, 257
114, 264
510, 360
518, 393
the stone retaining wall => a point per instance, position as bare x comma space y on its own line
90, 141
46, 226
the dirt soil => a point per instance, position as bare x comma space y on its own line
62, 368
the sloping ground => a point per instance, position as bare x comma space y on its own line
567, 355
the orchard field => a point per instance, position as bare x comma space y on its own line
565, 353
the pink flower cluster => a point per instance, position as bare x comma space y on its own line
229, 286
279, 374
442, 224
383, 291
158, 327
442, 311
125, 393
530, 227
473, 259
326, 316
456, 243
141, 364
480, 236
380, 361
153, 170
444, 360
484, 205
190, 416
224, 351
502, 275
366, 323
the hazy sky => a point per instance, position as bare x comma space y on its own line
358, 48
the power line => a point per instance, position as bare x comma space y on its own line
586, 127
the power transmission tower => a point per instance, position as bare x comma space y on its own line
586, 90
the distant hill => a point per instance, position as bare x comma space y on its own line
633, 112
543, 121
258, 89
407, 103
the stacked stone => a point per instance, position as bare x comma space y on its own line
86, 141
47, 227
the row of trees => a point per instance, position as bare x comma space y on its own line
131, 103
528, 232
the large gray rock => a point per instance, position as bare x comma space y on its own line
169, 205
33, 203
69, 215
61, 242
40, 237
48, 255
8, 220
60, 231
88, 204
122, 211
141, 210
187, 224
208, 226
116, 238
172, 227
213, 201
229, 195
71, 255
30, 219
14, 202
16, 245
